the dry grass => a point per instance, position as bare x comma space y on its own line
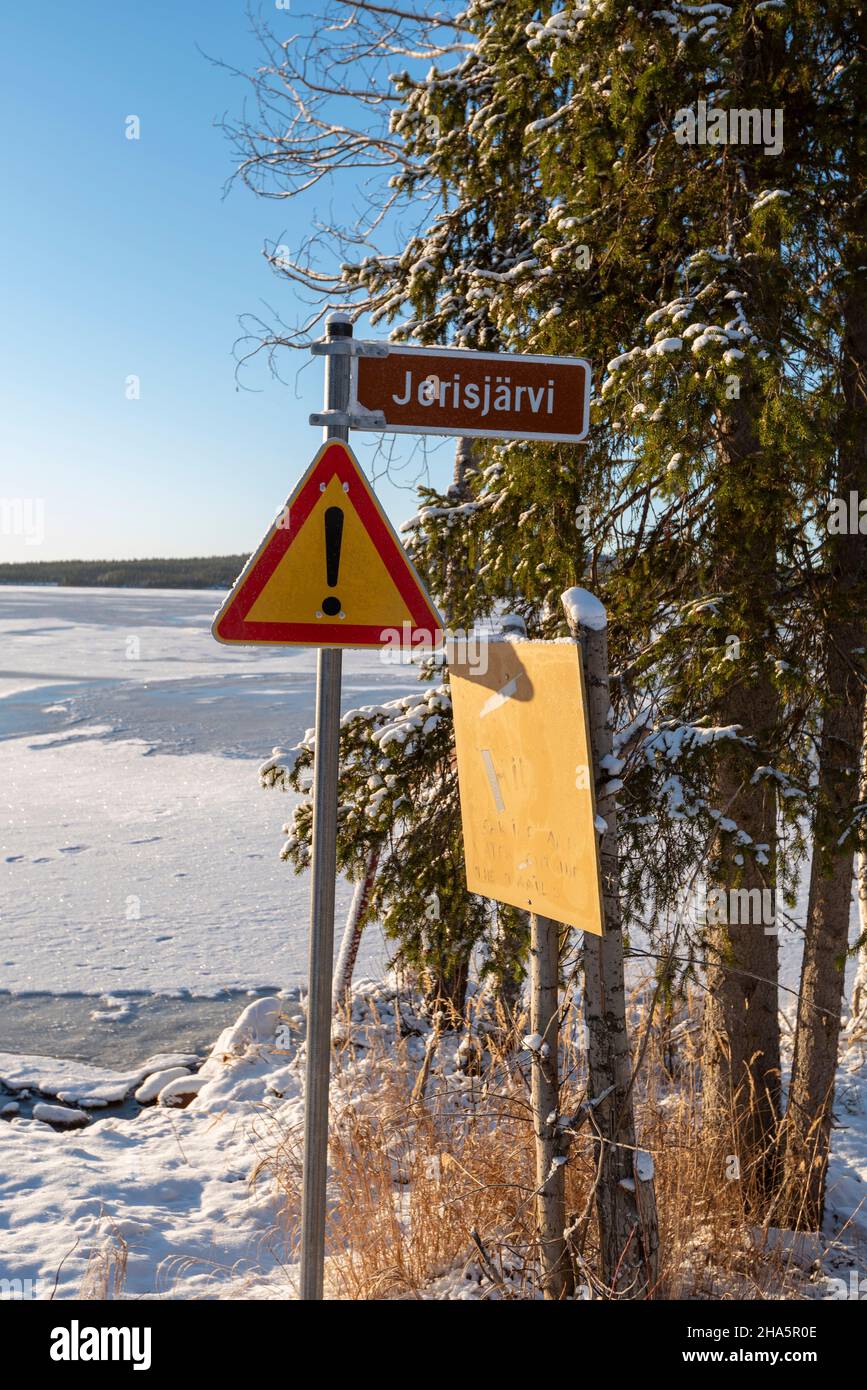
435, 1196
105, 1273
710, 1244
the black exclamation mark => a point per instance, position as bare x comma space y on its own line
333, 538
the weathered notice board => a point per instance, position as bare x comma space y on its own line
526, 781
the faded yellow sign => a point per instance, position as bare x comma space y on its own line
526, 785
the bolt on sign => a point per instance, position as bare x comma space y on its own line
481, 395
525, 779
330, 572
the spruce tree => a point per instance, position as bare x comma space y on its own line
567, 216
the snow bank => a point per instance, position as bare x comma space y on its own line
173, 1184
79, 1083
181, 1090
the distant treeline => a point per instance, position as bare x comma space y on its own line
205, 572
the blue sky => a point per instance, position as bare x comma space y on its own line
122, 257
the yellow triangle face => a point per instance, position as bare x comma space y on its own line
331, 572
299, 587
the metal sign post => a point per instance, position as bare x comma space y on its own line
324, 870
332, 573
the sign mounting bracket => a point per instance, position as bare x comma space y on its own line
348, 347
350, 419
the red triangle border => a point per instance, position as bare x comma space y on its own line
334, 459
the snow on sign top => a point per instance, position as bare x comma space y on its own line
330, 572
420, 390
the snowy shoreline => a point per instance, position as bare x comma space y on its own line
179, 1192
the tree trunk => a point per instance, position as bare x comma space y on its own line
348, 953
557, 1278
859, 984
811, 1093
814, 1065
741, 1042
625, 1196
741, 1034
445, 988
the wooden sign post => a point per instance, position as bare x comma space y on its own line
531, 839
625, 1191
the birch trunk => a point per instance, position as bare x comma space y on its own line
348, 953
557, 1277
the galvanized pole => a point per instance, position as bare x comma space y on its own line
328, 671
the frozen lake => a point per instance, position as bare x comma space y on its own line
139, 855
141, 883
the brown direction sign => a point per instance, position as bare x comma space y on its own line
477, 394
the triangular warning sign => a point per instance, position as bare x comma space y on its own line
331, 572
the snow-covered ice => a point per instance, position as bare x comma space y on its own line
63, 1115
150, 1089
80, 1083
